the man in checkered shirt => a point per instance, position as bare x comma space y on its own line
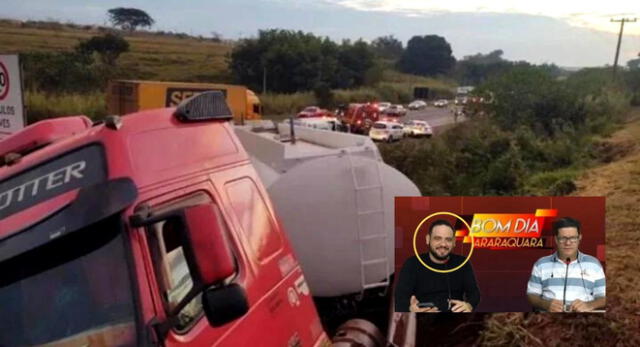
583, 274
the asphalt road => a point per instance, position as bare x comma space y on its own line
437, 117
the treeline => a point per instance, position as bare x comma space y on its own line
286, 61
294, 61
533, 139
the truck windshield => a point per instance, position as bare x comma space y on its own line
73, 291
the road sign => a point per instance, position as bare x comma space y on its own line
11, 106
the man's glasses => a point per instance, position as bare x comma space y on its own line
571, 239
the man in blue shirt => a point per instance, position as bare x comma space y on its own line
568, 280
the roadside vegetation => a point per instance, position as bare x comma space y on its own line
617, 177
535, 137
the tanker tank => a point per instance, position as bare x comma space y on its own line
335, 198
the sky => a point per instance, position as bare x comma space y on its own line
568, 33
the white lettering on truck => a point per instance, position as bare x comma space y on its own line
49, 181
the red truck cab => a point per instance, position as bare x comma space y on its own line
148, 229
360, 117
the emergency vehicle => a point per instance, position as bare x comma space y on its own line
360, 117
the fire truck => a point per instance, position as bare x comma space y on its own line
360, 117
151, 229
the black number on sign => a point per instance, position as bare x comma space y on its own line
2, 79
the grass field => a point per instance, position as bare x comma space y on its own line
619, 181
151, 56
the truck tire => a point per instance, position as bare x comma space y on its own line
358, 332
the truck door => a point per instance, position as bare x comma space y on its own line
271, 319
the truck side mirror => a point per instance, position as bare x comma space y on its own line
224, 304
207, 252
211, 257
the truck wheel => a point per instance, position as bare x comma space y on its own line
359, 332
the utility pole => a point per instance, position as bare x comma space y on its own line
264, 80
621, 21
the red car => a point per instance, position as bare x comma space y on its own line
312, 111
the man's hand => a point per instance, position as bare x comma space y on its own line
580, 306
555, 306
460, 306
413, 307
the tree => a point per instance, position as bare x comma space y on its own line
59, 72
634, 64
478, 68
388, 47
531, 96
296, 61
355, 60
109, 47
129, 18
428, 55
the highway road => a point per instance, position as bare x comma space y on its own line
437, 117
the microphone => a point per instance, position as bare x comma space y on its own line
564, 294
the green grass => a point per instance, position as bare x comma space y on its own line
556, 182
41, 106
279, 106
151, 56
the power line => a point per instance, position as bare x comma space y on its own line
621, 21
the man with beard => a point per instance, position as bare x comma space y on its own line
568, 280
422, 290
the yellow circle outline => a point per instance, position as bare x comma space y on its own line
415, 236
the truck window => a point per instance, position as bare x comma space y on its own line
172, 272
257, 223
256, 108
74, 291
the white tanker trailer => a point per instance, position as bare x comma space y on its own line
335, 198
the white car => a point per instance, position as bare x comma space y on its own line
417, 128
417, 105
395, 111
386, 131
441, 103
462, 100
383, 105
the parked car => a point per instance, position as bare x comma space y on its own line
441, 103
417, 105
386, 131
383, 106
395, 111
461, 100
312, 111
417, 128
